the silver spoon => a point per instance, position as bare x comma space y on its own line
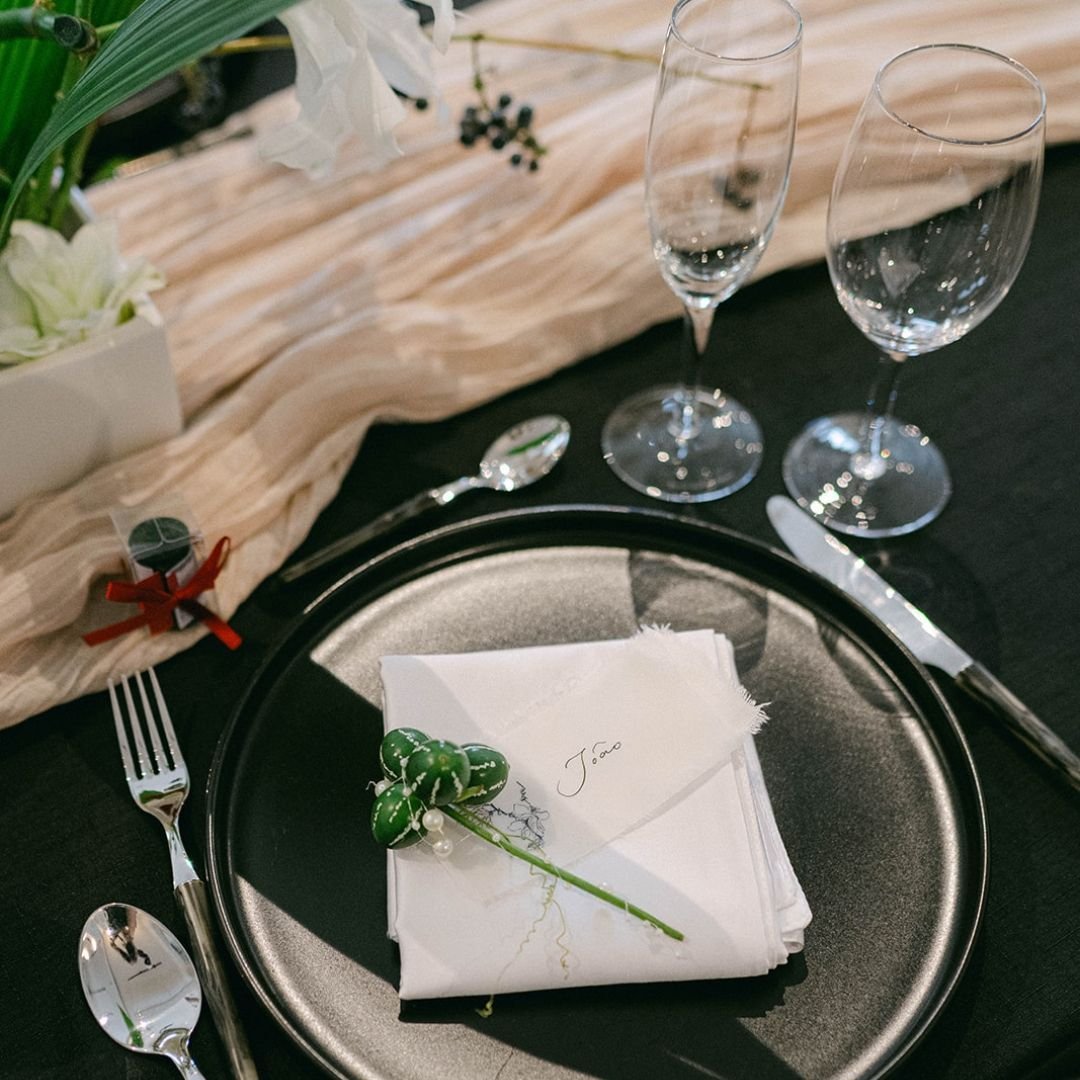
517, 458
140, 984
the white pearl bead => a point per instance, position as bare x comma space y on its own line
433, 820
443, 847
381, 786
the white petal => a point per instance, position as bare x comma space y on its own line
54, 292
16, 311
349, 53
402, 51
443, 28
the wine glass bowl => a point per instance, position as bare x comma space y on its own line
929, 221
716, 172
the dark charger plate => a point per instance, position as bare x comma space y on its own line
871, 781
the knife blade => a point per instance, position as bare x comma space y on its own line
824, 553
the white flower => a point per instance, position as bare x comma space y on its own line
55, 292
349, 53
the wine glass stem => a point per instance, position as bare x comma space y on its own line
870, 461
697, 325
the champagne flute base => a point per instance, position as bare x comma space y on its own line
896, 492
683, 445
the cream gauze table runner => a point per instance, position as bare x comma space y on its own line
300, 312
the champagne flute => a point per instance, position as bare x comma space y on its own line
929, 221
716, 172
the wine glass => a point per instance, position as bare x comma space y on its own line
716, 171
929, 220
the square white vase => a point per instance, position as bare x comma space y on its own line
63, 415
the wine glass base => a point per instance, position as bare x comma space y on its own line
646, 444
902, 491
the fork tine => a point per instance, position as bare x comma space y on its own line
136, 728
121, 736
171, 740
160, 760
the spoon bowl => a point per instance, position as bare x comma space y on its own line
523, 454
140, 984
520, 456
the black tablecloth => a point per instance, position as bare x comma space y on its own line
1000, 571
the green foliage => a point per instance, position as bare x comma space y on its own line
155, 38
30, 76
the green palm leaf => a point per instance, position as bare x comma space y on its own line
157, 38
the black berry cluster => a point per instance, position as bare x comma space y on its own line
502, 126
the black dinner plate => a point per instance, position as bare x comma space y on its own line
872, 785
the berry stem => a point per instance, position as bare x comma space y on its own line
478, 36
486, 831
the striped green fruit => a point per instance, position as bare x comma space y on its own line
396, 746
395, 818
488, 773
437, 772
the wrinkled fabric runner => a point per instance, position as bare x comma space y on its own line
301, 312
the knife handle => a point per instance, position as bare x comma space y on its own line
191, 896
984, 687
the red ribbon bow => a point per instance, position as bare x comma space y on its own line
158, 596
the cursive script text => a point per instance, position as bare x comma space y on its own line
576, 766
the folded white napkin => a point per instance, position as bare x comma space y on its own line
701, 851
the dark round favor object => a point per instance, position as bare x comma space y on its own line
160, 543
504, 101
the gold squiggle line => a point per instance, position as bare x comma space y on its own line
564, 958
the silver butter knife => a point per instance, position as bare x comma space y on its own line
817, 548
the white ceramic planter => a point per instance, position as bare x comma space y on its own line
65, 414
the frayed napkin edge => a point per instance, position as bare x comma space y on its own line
656, 639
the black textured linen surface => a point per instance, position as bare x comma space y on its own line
999, 571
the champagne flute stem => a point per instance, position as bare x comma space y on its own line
869, 461
697, 325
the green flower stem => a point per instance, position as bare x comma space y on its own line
66, 159
498, 838
28, 22
75, 150
105, 32
38, 21
35, 196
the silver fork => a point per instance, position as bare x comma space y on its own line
159, 784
